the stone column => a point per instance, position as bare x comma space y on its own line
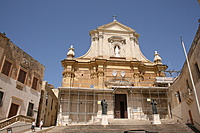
59, 116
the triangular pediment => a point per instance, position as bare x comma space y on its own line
116, 26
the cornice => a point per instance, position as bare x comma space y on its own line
119, 61
4, 36
92, 33
115, 23
104, 29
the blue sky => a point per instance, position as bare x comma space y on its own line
45, 29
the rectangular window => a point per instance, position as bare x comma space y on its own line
197, 70
34, 84
1, 97
22, 76
178, 96
46, 99
51, 104
30, 109
188, 85
6, 68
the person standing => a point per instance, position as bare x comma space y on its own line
41, 124
33, 126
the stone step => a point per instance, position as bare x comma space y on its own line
128, 122
162, 128
134, 122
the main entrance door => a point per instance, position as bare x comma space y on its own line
120, 106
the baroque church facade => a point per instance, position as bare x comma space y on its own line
113, 69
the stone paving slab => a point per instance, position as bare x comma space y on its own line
38, 130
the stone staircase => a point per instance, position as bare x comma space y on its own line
122, 126
17, 127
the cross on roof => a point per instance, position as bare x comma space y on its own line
114, 17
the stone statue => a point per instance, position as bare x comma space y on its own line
117, 51
104, 106
154, 103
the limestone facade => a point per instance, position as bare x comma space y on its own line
47, 110
20, 81
183, 102
113, 69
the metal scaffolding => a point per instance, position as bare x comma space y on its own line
81, 105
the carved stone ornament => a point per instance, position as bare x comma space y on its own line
100, 36
100, 73
93, 75
135, 75
117, 39
95, 38
134, 39
68, 74
9, 57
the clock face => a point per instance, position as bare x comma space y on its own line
114, 73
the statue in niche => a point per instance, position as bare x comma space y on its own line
117, 51
104, 106
154, 103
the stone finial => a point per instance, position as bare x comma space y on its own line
157, 58
70, 53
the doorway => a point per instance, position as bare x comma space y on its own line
13, 110
120, 106
191, 119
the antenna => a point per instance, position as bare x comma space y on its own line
170, 65
173, 71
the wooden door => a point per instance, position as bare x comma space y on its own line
13, 110
120, 106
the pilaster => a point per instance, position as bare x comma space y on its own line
95, 40
160, 69
132, 46
101, 46
100, 72
68, 72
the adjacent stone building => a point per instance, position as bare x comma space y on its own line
20, 81
113, 69
183, 102
47, 110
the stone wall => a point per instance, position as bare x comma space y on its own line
16, 92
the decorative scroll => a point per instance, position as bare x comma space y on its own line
68, 74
